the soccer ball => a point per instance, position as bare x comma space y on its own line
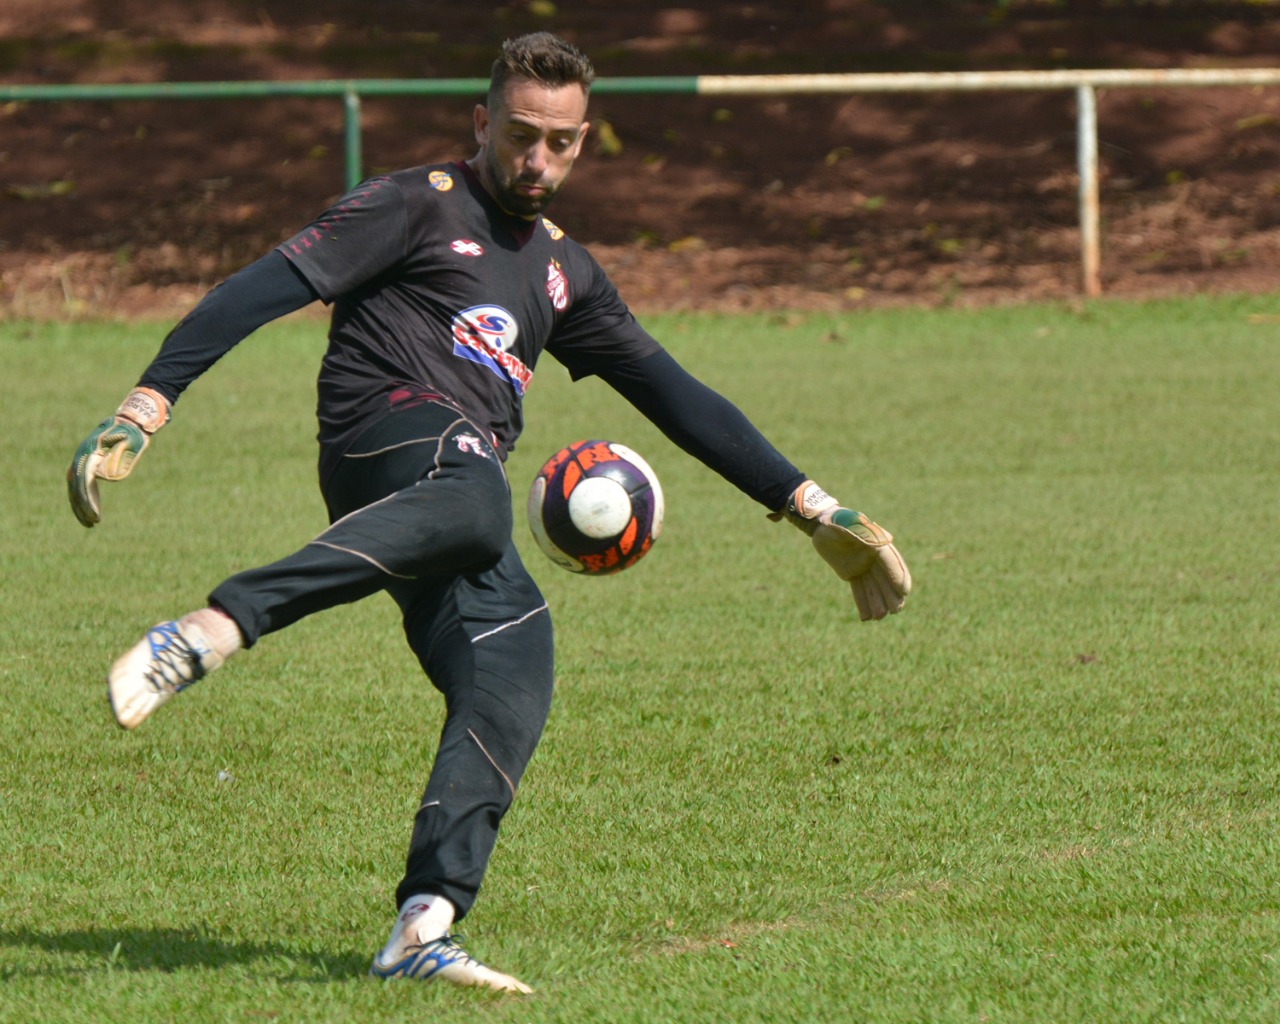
595, 508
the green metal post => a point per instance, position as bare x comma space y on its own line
354, 154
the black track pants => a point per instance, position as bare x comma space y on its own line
422, 510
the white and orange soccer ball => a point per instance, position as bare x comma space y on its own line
595, 508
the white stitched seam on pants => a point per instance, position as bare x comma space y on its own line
513, 622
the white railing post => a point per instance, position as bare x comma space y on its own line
1090, 215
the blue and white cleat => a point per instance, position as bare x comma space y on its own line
171, 657
441, 958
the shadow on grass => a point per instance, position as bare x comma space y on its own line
171, 949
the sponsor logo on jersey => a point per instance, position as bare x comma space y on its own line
441, 181
486, 335
466, 247
557, 286
555, 233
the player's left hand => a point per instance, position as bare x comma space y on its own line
861, 552
111, 449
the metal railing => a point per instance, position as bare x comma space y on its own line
1085, 84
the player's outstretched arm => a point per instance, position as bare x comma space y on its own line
861, 552
712, 429
261, 292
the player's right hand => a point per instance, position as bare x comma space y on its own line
110, 451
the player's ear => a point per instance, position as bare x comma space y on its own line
480, 117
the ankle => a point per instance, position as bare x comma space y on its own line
219, 629
426, 916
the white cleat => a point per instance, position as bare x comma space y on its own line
171, 657
445, 959
421, 947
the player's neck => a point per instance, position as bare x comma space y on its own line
480, 172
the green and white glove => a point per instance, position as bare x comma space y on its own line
860, 551
111, 450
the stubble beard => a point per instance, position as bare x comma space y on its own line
514, 202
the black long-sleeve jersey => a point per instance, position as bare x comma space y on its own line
435, 290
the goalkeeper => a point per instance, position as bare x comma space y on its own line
446, 284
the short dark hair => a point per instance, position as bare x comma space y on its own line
540, 57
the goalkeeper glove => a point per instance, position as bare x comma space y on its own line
111, 450
860, 551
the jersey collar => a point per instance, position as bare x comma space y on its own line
522, 230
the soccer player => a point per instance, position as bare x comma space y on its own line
446, 284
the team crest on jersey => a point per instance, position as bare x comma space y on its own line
486, 335
466, 247
557, 286
555, 233
472, 444
441, 181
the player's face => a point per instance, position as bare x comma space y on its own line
528, 143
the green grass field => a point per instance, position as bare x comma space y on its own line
1049, 791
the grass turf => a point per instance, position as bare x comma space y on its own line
1047, 791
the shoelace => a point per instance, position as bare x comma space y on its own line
448, 948
175, 664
